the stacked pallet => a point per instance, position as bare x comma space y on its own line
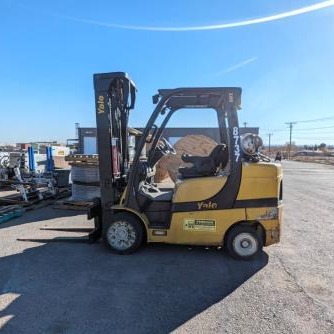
85, 176
72, 205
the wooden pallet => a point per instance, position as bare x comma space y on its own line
33, 199
72, 205
82, 158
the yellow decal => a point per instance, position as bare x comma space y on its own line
205, 206
100, 105
203, 225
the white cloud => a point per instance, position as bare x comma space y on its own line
264, 19
237, 66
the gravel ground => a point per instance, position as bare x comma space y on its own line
81, 288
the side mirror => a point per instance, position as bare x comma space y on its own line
155, 98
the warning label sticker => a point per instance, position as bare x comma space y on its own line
206, 225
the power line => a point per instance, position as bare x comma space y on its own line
325, 127
305, 129
274, 130
318, 135
314, 133
317, 138
315, 120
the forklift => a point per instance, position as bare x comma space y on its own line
231, 198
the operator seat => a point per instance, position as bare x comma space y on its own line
205, 166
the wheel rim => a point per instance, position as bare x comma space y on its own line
245, 244
121, 235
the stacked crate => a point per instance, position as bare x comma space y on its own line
84, 176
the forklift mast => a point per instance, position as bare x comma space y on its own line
115, 96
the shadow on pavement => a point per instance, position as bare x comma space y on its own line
43, 214
66, 288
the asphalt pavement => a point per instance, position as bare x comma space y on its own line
83, 288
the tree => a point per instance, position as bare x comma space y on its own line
322, 147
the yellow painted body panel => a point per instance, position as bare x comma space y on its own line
272, 227
198, 189
224, 219
179, 234
260, 180
208, 227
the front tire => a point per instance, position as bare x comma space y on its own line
244, 242
123, 234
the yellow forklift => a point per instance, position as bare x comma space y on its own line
231, 198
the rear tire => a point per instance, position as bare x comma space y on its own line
123, 234
244, 242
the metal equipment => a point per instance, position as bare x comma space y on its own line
30, 184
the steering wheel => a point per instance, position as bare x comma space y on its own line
167, 147
162, 148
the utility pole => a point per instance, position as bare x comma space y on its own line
269, 134
290, 126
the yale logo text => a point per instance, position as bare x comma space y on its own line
206, 206
100, 105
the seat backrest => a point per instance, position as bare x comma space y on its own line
205, 166
219, 155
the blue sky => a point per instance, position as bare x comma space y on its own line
50, 50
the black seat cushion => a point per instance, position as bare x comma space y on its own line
205, 166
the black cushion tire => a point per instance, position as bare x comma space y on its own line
243, 242
123, 234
